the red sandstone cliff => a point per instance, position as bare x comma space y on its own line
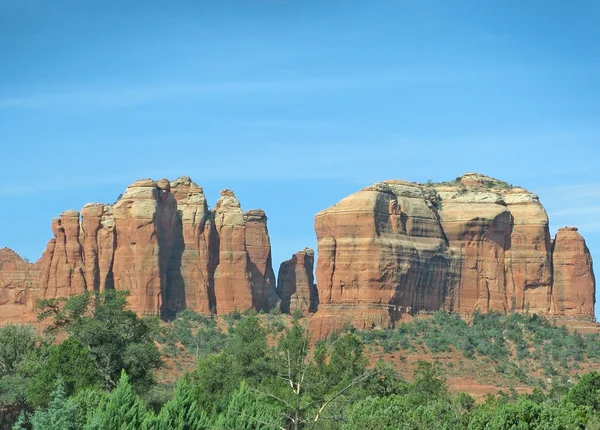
474, 243
295, 283
390, 249
160, 242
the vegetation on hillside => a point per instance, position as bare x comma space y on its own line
96, 367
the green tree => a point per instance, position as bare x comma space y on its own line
213, 381
182, 412
19, 348
307, 390
70, 361
248, 349
62, 413
16, 343
116, 338
122, 409
428, 383
586, 392
247, 411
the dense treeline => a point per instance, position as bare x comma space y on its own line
94, 368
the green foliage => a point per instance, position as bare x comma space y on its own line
526, 414
198, 334
16, 343
240, 382
514, 345
247, 411
182, 412
62, 413
428, 383
586, 392
70, 361
116, 338
248, 349
122, 409
397, 412
213, 381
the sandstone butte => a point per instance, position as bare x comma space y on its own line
392, 249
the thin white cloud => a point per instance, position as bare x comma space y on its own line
109, 96
136, 94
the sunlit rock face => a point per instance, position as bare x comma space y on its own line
573, 275
161, 243
475, 243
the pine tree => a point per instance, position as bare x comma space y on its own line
182, 412
248, 412
121, 410
62, 414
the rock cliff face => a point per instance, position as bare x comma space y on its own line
160, 242
392, 249
473, 243
18, 286
295, 283
573, 275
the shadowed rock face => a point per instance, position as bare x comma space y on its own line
191, 269
295, 283
160, 242
473, 243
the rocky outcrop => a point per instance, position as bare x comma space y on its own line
191, 269
382, 252
233, 289
18, 282
260, 266
475, 243
295, 283
394, 248
573, 275
98, 225
63, 269
160, 242
144, 219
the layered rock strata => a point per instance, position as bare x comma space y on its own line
475, 243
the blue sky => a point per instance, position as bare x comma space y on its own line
295, 104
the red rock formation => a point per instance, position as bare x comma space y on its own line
473, 243
295, 283
500, 235
232, 286
573, 275
389, 249
91, 224
190, 275
260, 268
18, 286
107, 243
381, 252
136, 265
63, 269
